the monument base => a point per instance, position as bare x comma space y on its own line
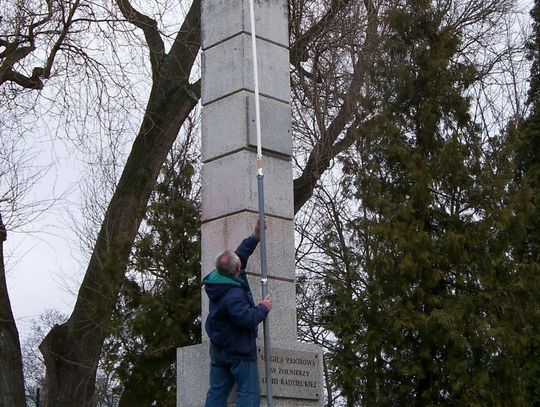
296, 375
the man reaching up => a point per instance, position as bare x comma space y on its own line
232, 328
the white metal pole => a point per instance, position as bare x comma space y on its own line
262, 230
256, 84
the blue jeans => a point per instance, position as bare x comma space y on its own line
224, 372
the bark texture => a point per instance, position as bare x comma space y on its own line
11, 374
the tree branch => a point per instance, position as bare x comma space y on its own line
15, 53
319, 161
32, 82
325, 150
194, 90
38, 23
46, 73
12, 56
186, 44
298, 50
151, 33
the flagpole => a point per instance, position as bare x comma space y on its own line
260, 188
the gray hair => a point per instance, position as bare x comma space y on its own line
227, 262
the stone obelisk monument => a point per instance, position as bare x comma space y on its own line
229, 189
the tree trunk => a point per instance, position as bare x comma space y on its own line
71, 351
11, 373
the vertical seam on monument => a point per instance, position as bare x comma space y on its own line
248, 111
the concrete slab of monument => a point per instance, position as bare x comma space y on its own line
226, 122
227, 233
216, 237
230, 67
226, 18
234, 192
283, 315
296, 374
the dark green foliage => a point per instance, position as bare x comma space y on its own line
528, 176
529, 153
159, 307
431, 306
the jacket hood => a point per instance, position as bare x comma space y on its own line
216, 285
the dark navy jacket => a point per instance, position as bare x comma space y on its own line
233, 317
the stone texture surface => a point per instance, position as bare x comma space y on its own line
275, 125
281, 402
192, 386
227, 233
283, 315
234, 186
223, 19
193, 366
226, 122
231, 62
229, 182
295, 374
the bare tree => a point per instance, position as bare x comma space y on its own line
34, 368
18, 174
332, 58
25, 28
72, 350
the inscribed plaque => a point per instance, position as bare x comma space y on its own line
295, 374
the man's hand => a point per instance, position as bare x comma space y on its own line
267, 302
257, 231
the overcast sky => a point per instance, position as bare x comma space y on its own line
42, 264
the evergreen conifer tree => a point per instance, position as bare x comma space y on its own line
528, 177
529, 152
159, 307
436, 312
